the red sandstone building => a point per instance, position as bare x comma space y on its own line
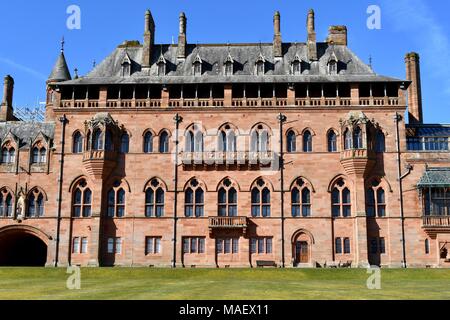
226, 155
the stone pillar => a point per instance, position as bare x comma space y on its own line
291, 95
103, 97
228, 95
354, 93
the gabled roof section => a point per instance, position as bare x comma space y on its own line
60, 70
26, 132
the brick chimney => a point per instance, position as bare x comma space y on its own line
412, 61
182, 41
6, 108
311, 29
337, 35
149, 40
277, 42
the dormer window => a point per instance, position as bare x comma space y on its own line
260, 65
296, 66
197, 66
332, 67
126, 66
229, 66
161, 66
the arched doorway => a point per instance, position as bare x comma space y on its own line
22, 247
302, 242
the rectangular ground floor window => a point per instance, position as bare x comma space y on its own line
342, 246
115, 245
152, 245
377, 246
227, 246
194, 245
79, 245
262, 245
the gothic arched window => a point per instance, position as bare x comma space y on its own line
6, 203
77, 143
380, 144
35, 205
154, 199
358, 138
97, 140
301, 199
332, 141
164, 142
194, 200
227, 199
148, 142
376, 200
81, 201
116, 202
261, 204
291, 141
8, 155
348, 141
39, 155
307, 142
341, 200
125, 143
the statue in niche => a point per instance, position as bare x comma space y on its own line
20, 208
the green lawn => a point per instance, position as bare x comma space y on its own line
161, 284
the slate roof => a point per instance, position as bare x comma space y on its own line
245, 56
436, 130
435, 177
27, 132
60, 71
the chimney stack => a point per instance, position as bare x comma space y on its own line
149, 40
182, 41
311, 28
412, 61
6, 108
277, 42
337, 35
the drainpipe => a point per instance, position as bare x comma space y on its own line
63, 121
397, 119
282, 118
178, 119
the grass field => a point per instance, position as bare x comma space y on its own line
198, 284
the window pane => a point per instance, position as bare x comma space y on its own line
87, 196
219, 245
347, 211
159, 211
266, 211
347, 246
111, 197
253, 245
118, 245
222, 211
120, 211
77, 197
336, 210
261, 246
381, 196
335, 197
295, 196
77, 212
256, 211
338, 245
346, 196
110, 245
149, 196
199, 211
188, 211
256, 199
232, 211
222, 196
306, 211
382, 246
76, 245
186, 245
296, 211
235, 246
149, 246
121, 197
199, 196
227, 246
125, 143
194, 245
269, 245
201, 245
232, 196
189, 196
149, 211
306, 196
86, 211
148, 143
160, 196
84, 243
370, 197
266, 196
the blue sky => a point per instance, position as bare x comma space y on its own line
32, 31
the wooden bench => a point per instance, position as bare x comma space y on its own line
265, 263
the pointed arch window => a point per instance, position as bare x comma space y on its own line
161, 68
148, 142
358, 138
35, 205
307, 141
259, 140
297, 67
229, 68
332, 141
332, 67
227, 140
260, 66
116, 202
194, 140
261, 204
81, 201
164, 142
341, 200
301, 199
125, 143
291, 141
348, 140
380, 144
227, 200
109, 146
8, 155
77, 143
154, 200
194, 200
97, 140
376, 200
6, 203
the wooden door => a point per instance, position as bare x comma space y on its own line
302, 249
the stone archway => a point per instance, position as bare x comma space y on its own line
302, 242
23, 246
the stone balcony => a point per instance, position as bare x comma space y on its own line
99, 163
358, 161
436, 224
235, 102
226, 223
237, 159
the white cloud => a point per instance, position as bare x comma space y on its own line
23, 68
416, 18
